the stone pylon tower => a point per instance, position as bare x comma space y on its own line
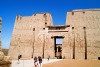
25, 38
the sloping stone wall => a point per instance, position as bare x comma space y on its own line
26, 37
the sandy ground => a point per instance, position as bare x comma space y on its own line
30, 63
58, 63
74, 63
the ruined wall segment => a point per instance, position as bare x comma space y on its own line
87, 30
1, 53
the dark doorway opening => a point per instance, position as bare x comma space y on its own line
58, 46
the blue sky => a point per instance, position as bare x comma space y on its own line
58, 8
59, 40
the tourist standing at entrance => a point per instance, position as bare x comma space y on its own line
40, 60
35, 61
19, 56
48, 58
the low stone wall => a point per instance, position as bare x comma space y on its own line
5, 64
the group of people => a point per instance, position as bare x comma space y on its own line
37, 61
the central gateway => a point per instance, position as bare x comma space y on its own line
58, 46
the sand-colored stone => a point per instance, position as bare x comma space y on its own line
5, 64
34, 35
4, 60
1, 56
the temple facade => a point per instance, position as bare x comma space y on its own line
37, 36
